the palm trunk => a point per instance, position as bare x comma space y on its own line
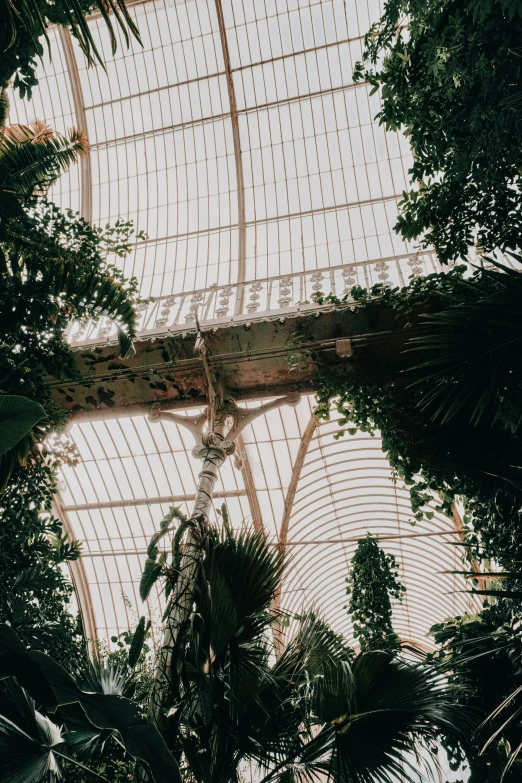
182, 600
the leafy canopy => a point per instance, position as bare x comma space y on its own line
17, 416
482, 656
316, 709
450, 74
53, 688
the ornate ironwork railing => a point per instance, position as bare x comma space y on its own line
259, 298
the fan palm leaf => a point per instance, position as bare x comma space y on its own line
317, 709
470, 351
373, 714
54, 688
31, 745
32, 157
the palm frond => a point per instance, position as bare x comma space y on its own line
32, 157
29, 740
47, 681
25, 15
375, 711
470, 351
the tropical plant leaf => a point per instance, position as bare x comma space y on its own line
151, 573
29, 741
25, 759
125, 344
52, 686
26, 14
32, 157
166, 525
470, 351
18, 415
32, 579
138, 640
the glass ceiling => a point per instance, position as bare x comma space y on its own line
313, 493
238, 142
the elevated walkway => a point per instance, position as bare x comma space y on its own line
262, 337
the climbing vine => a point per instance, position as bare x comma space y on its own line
438, 460
372, 583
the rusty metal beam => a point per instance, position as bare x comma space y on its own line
250, 358
306, 439
294, 481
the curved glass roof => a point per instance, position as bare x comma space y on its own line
235, 138
310, 492
238, 142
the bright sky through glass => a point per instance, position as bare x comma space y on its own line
238, 142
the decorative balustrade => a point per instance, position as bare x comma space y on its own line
258, 298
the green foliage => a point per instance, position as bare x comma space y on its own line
482, 657
316, 709
54, 269
138, 641
24, 23
156, 564
109, 672
17, 416
51, 686
372, 582
450, 74
31, 744
441, 458
34, 593
32, 157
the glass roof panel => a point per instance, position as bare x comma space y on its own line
132, 470
239, 143
52, 101
271, 446
345, 490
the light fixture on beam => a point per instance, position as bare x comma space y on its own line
343, 348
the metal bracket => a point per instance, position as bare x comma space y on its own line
223, 420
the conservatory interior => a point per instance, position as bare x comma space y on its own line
260, 391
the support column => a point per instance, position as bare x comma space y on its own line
215, 433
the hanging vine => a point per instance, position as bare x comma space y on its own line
372, 583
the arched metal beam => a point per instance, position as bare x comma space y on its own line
78, 576
76, 567
296, 474
241, 222
81, 121
285, 522
248, 478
